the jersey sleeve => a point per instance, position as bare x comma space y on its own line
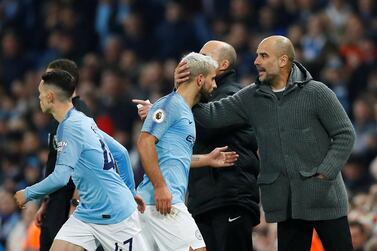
122, 160
160, 118
69, 144
57, 179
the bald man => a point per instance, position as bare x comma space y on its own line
304, 138
225, 202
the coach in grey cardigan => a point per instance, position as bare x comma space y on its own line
304, 138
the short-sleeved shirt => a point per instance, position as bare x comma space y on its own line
171, 121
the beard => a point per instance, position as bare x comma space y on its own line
270, 79
205, 95
267, 82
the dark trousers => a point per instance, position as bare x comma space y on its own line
46, 238
227, 229
296, 235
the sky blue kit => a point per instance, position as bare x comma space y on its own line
99, 166
171, 121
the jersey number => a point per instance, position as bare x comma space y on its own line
129, 242
108, 158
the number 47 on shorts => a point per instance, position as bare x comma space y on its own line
129, 242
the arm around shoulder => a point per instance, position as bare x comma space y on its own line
229, 111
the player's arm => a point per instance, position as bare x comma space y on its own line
148, 155
218, 158
69, 151
228, 112
50, 184
122, 159
40, 213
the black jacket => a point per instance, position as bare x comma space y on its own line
211, 188
58, 204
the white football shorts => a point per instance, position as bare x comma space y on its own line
125, 235
176, 231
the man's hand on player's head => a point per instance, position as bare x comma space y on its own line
181, 73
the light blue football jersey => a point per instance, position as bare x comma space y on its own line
171, 121
91, 158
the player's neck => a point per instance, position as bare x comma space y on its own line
188, 94
60, 110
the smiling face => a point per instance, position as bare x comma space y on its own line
267, 62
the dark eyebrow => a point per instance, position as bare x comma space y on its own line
262, 53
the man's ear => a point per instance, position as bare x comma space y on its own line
200, 80
283, 61
224, 65
50, 97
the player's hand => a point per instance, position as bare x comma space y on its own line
220, 158
143, 107
20, 199
181, 73
140, 203
163, 199
40, 214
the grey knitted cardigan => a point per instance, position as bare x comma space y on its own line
306, 132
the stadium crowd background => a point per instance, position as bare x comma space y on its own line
129, 48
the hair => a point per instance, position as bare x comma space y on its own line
66, 65
199, 64
62, 81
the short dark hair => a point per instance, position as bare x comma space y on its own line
67, 65
62, 80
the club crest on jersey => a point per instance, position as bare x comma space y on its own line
60, 146
198, 235
159, 116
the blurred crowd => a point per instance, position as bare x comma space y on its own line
129, 48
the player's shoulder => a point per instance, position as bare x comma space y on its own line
168, 106
171, 101
74, 122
